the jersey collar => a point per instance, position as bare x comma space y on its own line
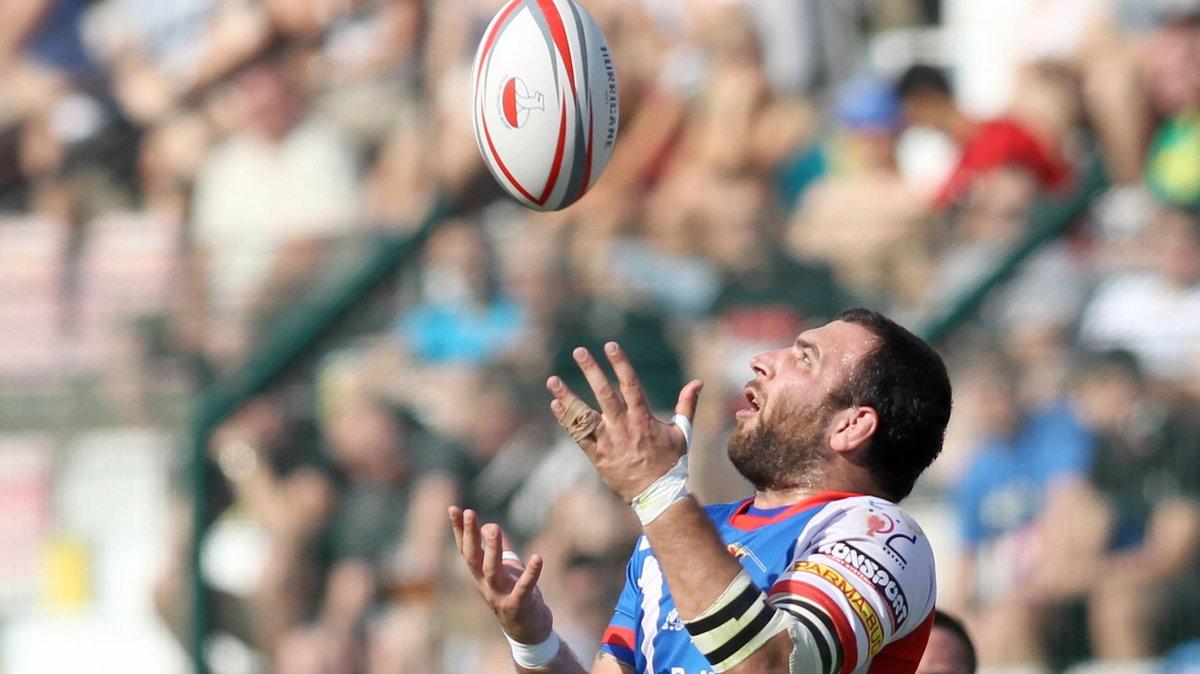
743, 520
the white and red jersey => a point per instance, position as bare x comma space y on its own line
855, 569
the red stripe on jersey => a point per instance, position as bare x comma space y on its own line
558, 155
491, 36
559, 33
845, 633
747, 522
903, 655
618, 636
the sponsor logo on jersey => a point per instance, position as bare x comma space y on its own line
859, 603
880, 523
741, 552
870, 570
889, 546
672, 622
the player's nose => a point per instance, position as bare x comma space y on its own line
763, 365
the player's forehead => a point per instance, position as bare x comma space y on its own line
839, 337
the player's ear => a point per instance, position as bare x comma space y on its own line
852, 428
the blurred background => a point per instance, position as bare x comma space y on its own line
264, 313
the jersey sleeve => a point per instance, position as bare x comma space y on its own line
620, 638
862, 577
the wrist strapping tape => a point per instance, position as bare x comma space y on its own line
669, 489
532, 656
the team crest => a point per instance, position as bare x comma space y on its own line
517, 100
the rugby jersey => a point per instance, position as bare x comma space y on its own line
860, 558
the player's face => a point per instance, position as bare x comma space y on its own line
783, 430
945, 654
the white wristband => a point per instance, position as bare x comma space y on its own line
532, 656
666, 491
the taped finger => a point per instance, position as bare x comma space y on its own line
579, 420
684, 425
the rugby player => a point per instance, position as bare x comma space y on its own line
819, 572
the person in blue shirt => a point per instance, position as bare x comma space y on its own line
1022, 459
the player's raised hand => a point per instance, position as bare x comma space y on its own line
508, 587
629, 446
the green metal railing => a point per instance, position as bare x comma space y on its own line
291, 339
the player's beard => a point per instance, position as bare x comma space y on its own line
786, 454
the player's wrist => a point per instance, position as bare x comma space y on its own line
533, 656
666, 491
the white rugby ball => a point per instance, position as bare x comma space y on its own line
544, 92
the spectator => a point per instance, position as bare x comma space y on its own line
984, 146
1154, 309
463, 316
1022, 462
862, 218
505, 443
1143, 582
384, 542
162, 56
270, 471
949, 650
267, 201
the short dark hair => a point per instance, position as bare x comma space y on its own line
905, 381
945, 621
923, 79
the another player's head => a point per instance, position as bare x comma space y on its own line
861, 394
925, 96
950, 650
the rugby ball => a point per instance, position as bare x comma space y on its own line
544, 92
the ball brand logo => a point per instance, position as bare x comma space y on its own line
516, 101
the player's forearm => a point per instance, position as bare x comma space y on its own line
694, 559
698, 568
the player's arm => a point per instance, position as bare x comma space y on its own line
730, 620
509, 588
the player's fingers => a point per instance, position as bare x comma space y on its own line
685, 411
631, 386
471, 549
508, 556
689, 396
563, 395
579, 420
611, 404
529, 577
492, 557
456, 525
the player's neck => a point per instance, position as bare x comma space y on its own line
852, 481
767, 499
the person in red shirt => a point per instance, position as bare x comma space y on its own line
928, 100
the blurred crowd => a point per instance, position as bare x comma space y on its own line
176, 176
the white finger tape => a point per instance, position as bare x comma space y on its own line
684, 425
